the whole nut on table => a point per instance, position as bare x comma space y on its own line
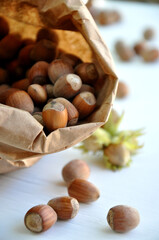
75, 169
40, 218
123, 218
83, 190
65, 207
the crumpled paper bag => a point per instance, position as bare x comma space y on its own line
22, 139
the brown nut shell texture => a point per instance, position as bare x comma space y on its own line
65, 207
75, 169
83, 191
40, 218
123, 218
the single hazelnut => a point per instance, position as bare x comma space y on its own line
9, 46
40, 218
65, 207
87, 72
83, 190
54, 115
85, 103
150, 55
123, 218
107, 17
123, 90
4, 27
139, 47
44, 50
71, 110
5, 92
24, 56
71, 59
124, 52
75, 169
22, 84
38, 73
3, 76
57, 68
38, 117
37, 93
117, 154
87, 88
46, 33
149, 33
67, 86
20, 99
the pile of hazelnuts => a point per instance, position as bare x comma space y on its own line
56, 87
121, 218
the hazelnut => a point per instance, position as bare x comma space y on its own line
22, 84
123, 218
123, 90
40, 218
4, 27
75, 169
71, 110
85, 103
71, 59
83, 190
117, 154
44, 50
150, 55
54, 115
57, 68
87, 72
67, 86
37, 93
24, 56
139, 47
124, 52
46, 33
5, 92
108, 17
65, 207
20, 99
149, 33
87, 88
9, 46
38, 73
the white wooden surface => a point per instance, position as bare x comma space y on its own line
137, 186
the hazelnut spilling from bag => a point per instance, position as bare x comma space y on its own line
57, 79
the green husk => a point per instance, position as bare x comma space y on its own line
109, 134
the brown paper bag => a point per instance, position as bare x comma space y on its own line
22, 139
